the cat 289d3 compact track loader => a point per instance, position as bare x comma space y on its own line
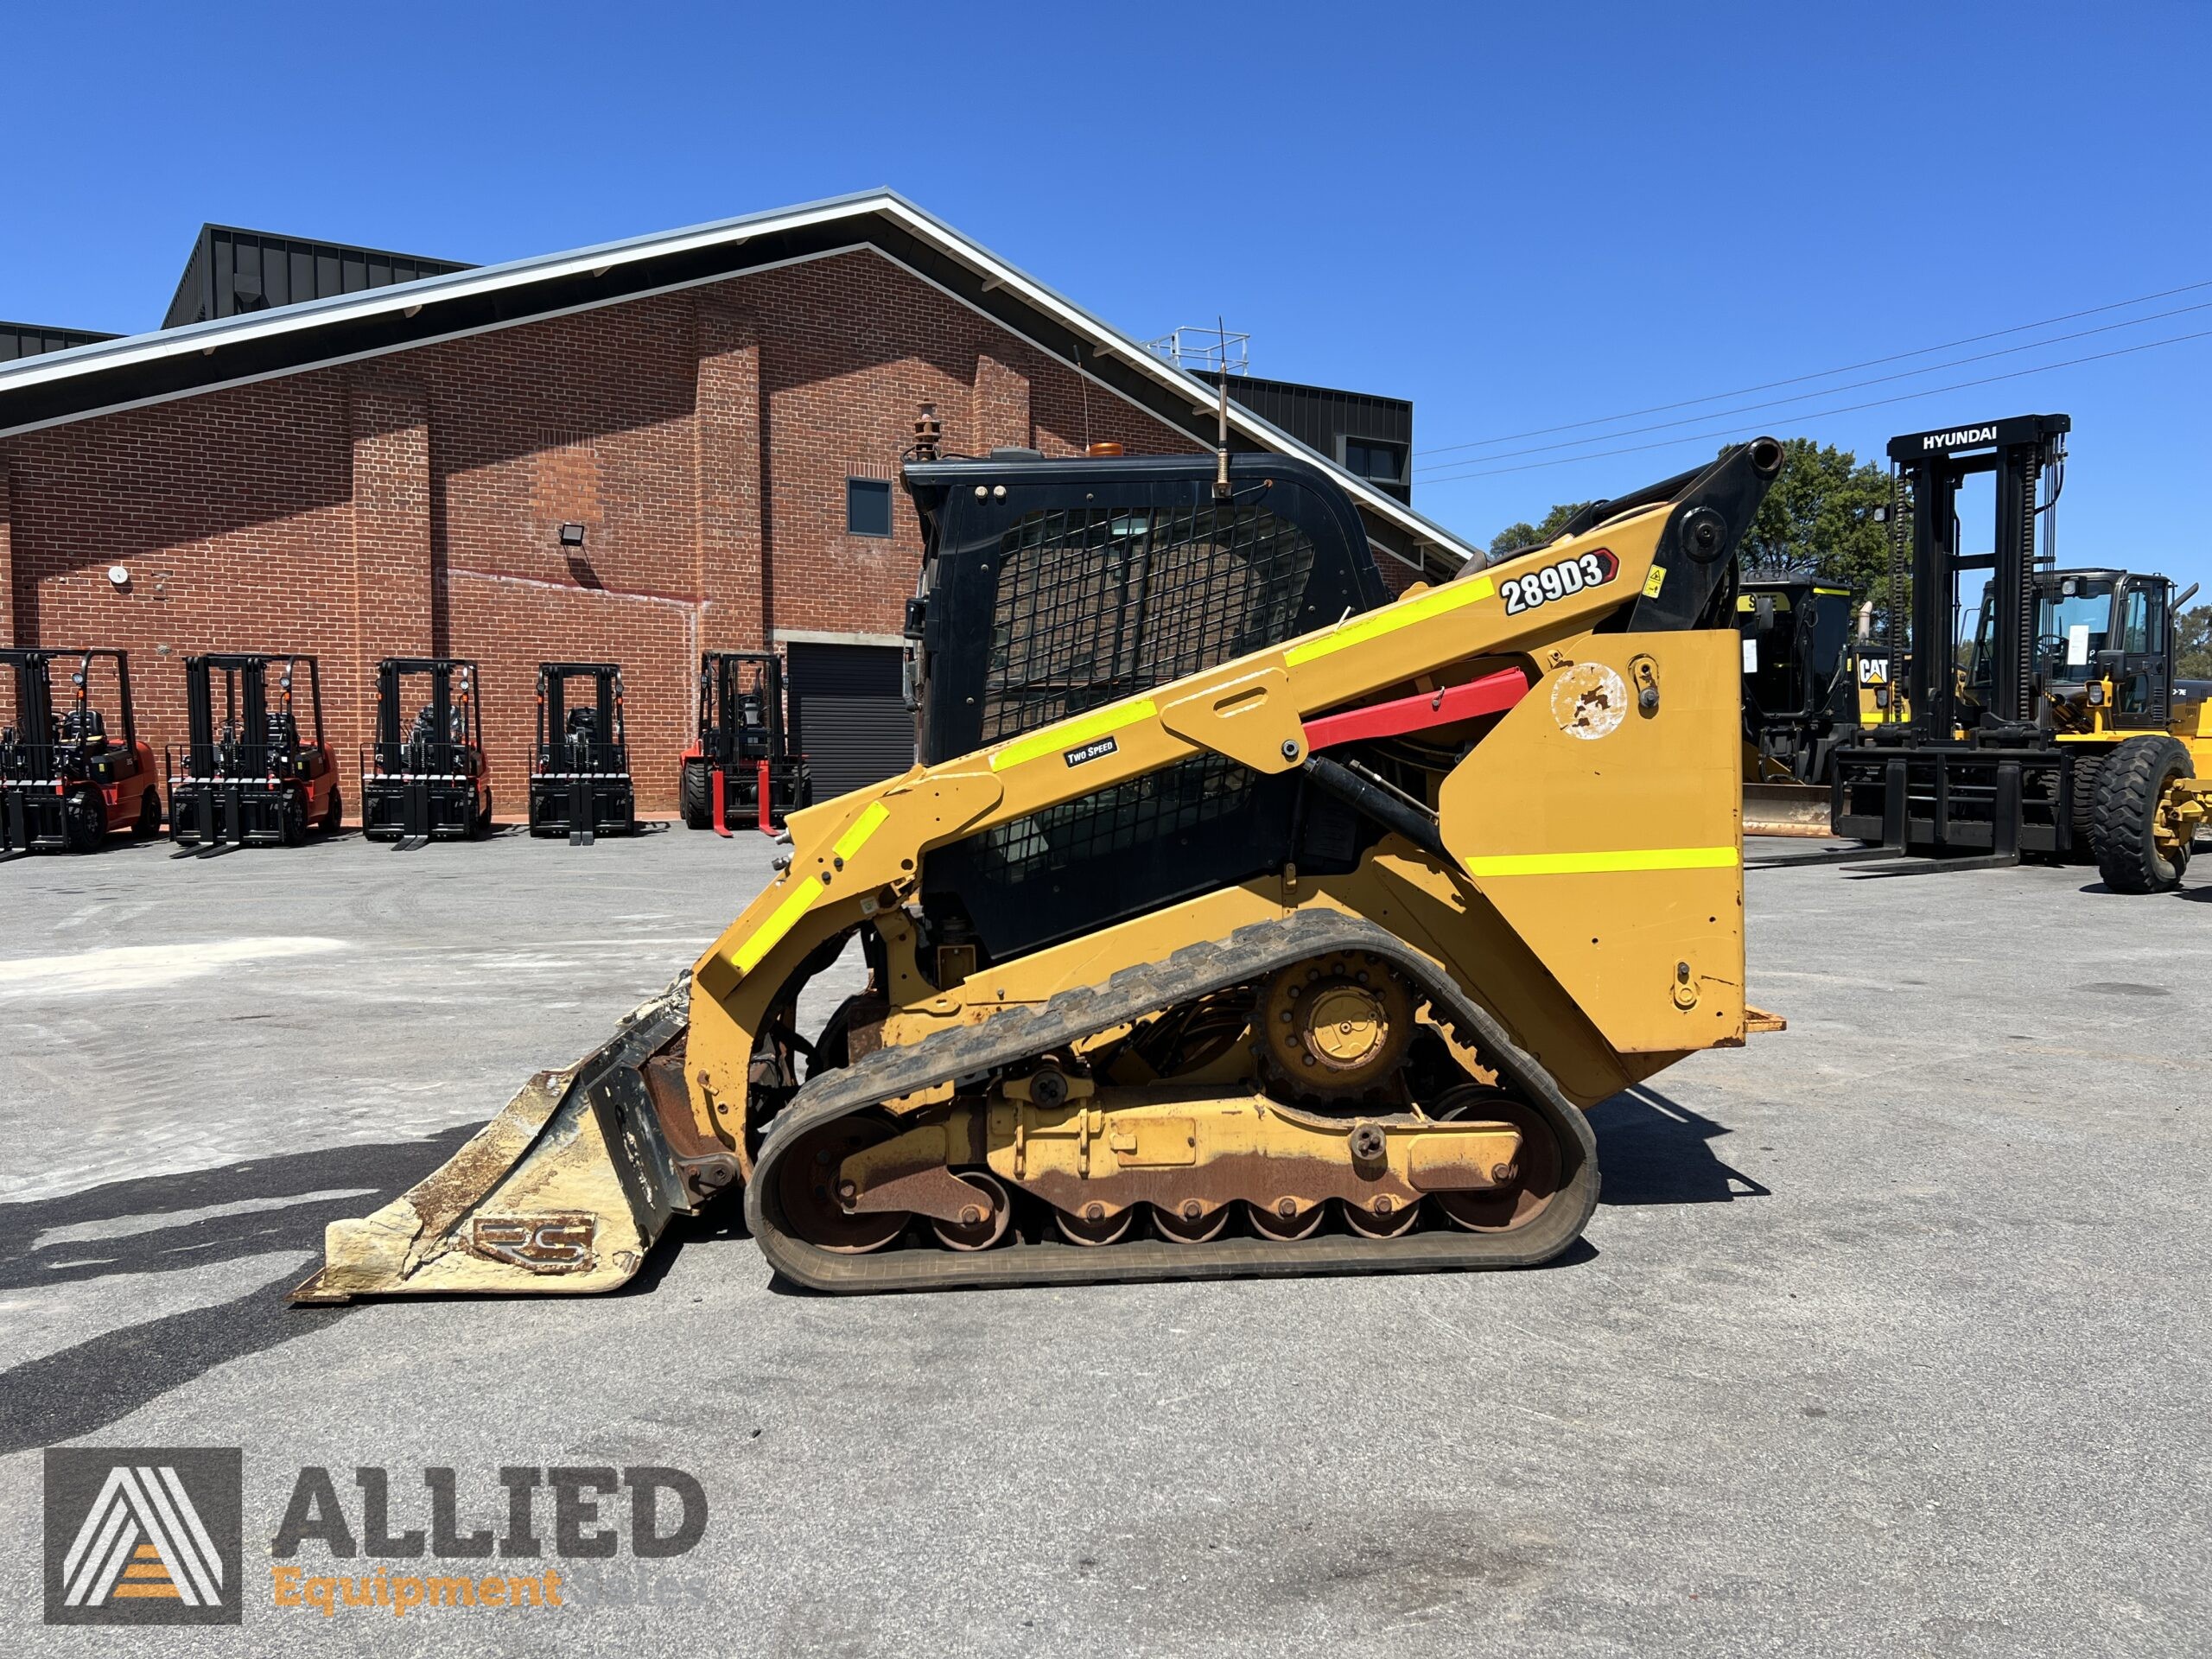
1236, 920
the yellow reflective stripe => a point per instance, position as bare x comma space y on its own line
866, 825
1439, 601
770, 933
1072, 734
1642, 858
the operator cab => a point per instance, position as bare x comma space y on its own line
2093, 629
1795, 632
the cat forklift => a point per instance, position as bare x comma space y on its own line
65, 783
252, 778
742, 767
2061, 733
426, 780
579, 782
1800, 698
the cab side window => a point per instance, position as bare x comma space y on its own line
2135, 621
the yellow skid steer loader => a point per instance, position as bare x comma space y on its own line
1239, 919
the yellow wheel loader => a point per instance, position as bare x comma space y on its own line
1239, 919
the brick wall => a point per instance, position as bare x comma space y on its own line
414, 503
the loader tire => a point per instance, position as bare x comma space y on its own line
292, 819
2132, 791
86, 819
149, 816
2088, 772
697, 796
334, 814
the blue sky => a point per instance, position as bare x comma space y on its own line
1518, 217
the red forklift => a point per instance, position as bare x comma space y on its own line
65, 783
579, 782
742, 769
426, 780
251, 777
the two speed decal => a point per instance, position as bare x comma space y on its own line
1568, 576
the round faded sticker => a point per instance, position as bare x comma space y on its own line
1589, 700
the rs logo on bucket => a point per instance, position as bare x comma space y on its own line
552, 1243
1592, 569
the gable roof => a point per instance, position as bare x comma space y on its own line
143, 369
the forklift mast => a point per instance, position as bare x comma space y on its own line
29, 734
2020, 452
740, 714
449, 722
251, 740
559, 725
38, 736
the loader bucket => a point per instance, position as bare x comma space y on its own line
562, 1192
1786, 809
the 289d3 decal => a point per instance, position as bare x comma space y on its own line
1592, 569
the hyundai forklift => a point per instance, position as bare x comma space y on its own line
65, 783
426, 778
742, 767
2059, 731
252, 777
579, 782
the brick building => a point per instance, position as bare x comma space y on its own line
630, 452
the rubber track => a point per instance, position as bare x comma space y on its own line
973, 1052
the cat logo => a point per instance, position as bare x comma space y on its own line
143, 1536
550, 1243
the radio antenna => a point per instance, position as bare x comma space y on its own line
1221, 491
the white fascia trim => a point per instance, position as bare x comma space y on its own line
834, 637
399, 296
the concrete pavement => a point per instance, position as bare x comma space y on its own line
1889, 1335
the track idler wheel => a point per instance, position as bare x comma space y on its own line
1383, 1216
1095, 1228
1284, 1220
806, 1182
1337, 1026
984, 1223
1192, 1224
1518, 1201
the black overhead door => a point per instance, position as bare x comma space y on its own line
848, 716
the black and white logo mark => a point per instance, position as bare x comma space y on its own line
142, 1534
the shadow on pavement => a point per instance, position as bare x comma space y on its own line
83, 1388
1654, 1150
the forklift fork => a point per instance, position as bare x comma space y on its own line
718, 777
582, 811
415, 816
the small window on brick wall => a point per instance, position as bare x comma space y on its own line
1371, 458
867, 506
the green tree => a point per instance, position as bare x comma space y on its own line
1820, 513
1525, 534
2193, 646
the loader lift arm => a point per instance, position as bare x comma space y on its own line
1517, 910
